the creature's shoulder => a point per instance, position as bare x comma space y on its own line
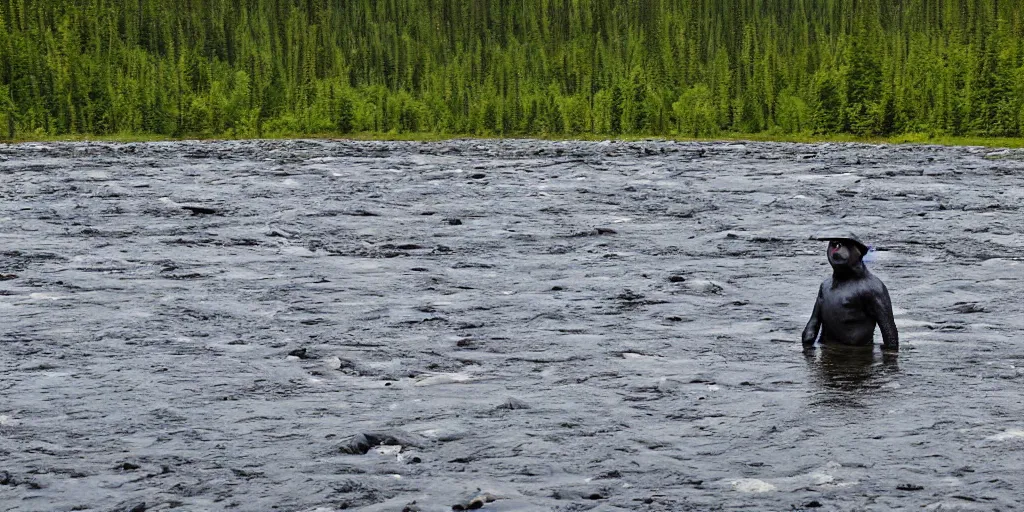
872, 284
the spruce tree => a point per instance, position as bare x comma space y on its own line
212, 67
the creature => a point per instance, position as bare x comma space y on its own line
851, 302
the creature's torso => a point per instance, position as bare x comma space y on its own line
845, 311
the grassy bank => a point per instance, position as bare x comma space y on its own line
919, 139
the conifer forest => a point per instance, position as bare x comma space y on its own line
687, 68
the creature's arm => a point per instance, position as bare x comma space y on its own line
811, 331
881, 309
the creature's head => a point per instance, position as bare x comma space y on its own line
845, 253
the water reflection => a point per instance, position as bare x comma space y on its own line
845, 376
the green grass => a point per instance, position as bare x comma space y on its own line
914, 138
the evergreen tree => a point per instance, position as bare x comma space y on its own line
828, 114
7, 110
695, 112
216, 68
345, 114
615, 110
863, 88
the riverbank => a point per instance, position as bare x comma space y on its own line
904, 139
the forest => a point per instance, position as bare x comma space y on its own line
560, 68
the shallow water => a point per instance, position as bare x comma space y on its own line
641, 302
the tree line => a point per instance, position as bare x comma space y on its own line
692, 68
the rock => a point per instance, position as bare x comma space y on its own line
243, 473
138, 507
813, 504
200, 210
629, 296
9, 479
7, 277
337, 363
453, 222
594, 232
584, 493
299, 353
909, 487
474, 501
360, 444
513, 404
362, 213
969, 307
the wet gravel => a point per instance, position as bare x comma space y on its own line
515, 325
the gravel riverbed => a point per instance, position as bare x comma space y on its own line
532, 325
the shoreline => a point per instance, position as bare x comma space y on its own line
906, 139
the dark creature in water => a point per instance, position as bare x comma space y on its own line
851, 302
